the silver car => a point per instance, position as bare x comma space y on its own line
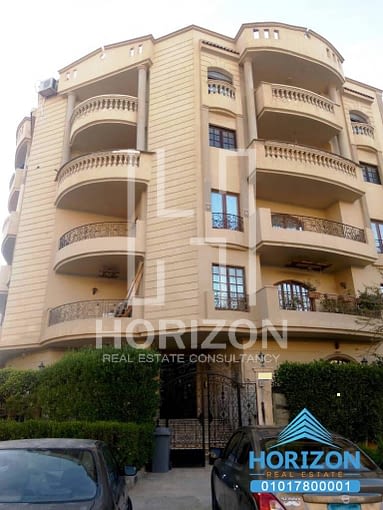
50, 474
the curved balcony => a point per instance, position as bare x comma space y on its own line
363, 134
285, 50
228, 229
84, 321
5, 275
304, 176
15, 184
101, 118
10, 228
99, 182
288, 113
311, 324
101, 249
289, 240
220, 95
23, 138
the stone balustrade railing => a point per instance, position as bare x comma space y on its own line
105, 102
120, 158
221, 87
288, 93
361, 128
309, 156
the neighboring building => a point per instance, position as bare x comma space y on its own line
150, 158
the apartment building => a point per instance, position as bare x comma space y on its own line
199, 186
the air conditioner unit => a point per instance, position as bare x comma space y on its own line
47, 88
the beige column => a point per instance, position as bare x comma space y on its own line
379, 155
142, 108
250, 101
69, 110
344, 143
335, 145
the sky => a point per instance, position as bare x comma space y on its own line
39, 38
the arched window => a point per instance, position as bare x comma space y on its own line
340, 360
294, 295
221, 75
358, 117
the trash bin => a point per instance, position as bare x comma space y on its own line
161, 455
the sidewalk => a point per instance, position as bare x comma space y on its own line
179, 489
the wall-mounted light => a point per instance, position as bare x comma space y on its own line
94, 290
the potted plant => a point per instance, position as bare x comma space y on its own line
312, 290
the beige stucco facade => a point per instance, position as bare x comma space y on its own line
113, 223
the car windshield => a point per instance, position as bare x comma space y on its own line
312, 446
47, 475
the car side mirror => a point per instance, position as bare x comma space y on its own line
215, 453
130, 470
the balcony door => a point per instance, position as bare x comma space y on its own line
225, 210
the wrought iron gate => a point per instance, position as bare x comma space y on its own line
203, 409
181, 406
231, 404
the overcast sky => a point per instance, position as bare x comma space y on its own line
38, 38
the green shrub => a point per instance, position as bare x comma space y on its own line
82, 386
131, 443
18, 393
347, 398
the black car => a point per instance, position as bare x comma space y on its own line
50, 474
231, 477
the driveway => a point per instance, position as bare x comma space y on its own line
179, 489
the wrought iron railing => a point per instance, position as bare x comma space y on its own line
227, 221
319, 225
313, 301
89, 310
94, 230
226, 301
362, 128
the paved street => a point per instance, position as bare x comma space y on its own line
179, 489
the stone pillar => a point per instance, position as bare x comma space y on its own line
335, 145
69, 110
142, 108
250, 101
344, 143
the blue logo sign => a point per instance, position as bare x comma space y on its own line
304, 426
305, 456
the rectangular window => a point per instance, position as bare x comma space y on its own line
377, 229
225, 211
370, 173
229, 288
222, 138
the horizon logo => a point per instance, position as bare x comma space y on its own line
305, 427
